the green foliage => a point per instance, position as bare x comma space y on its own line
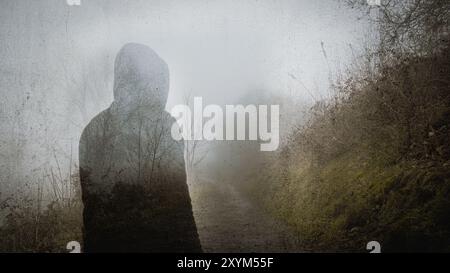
348, 202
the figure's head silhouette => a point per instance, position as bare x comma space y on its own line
141, 77
132, 172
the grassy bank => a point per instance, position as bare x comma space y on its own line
349, 201
373, 162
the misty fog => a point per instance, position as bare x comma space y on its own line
57, 62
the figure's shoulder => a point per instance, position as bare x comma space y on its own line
95, 125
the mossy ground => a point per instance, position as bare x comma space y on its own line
349, 201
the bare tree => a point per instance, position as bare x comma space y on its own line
410, 26
195, 151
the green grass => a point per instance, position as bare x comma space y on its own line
349, 201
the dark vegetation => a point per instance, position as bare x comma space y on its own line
43, 217
373, 162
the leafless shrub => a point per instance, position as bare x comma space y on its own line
42, 216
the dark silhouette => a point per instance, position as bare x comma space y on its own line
133, 176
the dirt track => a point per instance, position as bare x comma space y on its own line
228, 222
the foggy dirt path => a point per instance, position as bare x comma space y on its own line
228, 222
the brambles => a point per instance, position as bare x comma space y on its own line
37, 221
373, 162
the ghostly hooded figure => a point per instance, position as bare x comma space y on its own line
132, 172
